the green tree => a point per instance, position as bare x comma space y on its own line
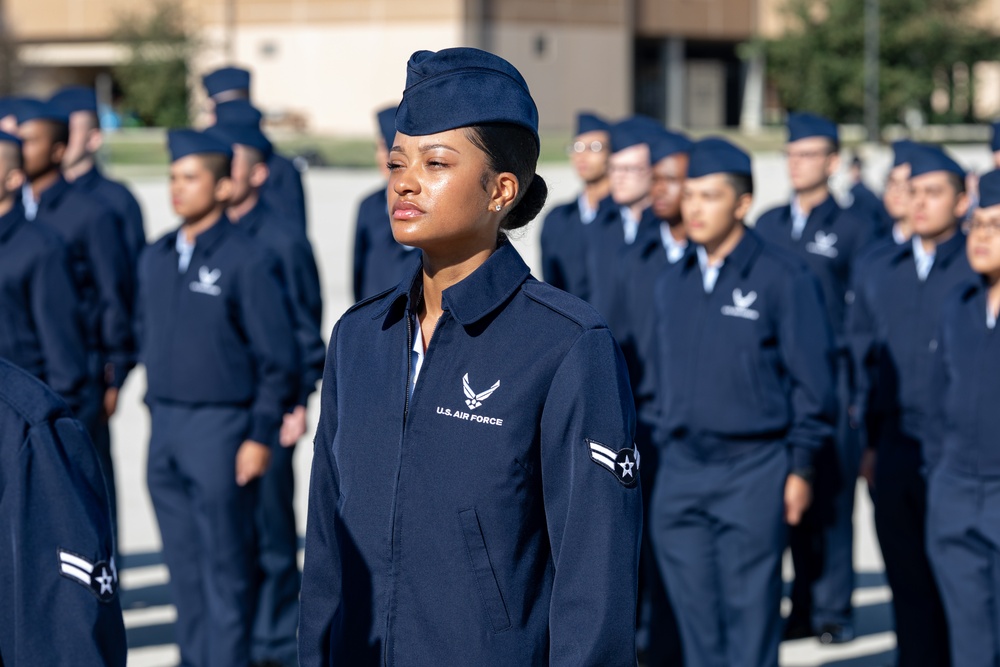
155, 76
817, 65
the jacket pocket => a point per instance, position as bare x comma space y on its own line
483, 571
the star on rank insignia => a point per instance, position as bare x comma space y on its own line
623, 464
101, 578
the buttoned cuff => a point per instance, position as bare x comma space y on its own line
264, 428
802, 459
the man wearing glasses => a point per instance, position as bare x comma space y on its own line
829, 239
563, 251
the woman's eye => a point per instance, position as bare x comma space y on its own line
392, 166
435, 163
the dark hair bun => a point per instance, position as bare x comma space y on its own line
529, 207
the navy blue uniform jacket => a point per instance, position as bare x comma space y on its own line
380, 263
866, 205
100, 270
830, 244
220, 333
58, 581
753, 360
283, 191
119, 199
965, 427
300, 277
607, 260
564, 252
480, 522
899, 316
41, 328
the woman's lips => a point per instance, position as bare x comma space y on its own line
405, 210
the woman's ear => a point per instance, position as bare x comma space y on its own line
505, 190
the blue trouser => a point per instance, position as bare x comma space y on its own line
823, 542
207, 527
657, 621
963, 542
719, 533
900, 522
91, 415
276, 622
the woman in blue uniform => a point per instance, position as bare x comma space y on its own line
474, 496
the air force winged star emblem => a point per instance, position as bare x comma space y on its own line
623, 464
206, 281
474, 400
741, 300
824, 244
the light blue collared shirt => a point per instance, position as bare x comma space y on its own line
587, 214
675, 249
923, 259
799, 219
630, 224
991, 317
709, 272
897, 235
185, 250
30, 203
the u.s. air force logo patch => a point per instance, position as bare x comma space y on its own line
101, 578
473, 400
623, 464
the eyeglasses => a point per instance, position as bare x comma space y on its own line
583, 147
806, 155
630, 169
989, 227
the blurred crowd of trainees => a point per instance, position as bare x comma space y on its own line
770, 365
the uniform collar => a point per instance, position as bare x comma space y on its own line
51, 196
205, 243
943, 254
741, 258
90, 178
10, 221
255, 217
824, 212
479, 294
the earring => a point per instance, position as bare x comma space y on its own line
499, 207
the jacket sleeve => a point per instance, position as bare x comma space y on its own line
60, 326
592, 506
135, 232
267, 322
61, 525
938, 399
302, 279
860, 330
807, 349
321, 597
114, 284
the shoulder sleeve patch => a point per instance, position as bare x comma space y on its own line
623, 464
100, 578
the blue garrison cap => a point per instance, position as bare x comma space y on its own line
927, 159
10, 139
460, 87
237, 112
590, 122
387, 124
633, 131
10, 105
902, 151
226, 79
28, 109
668, 143
715, 155
995, 140
182, 143
989, 189
805, 125
75, 98
245, 135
